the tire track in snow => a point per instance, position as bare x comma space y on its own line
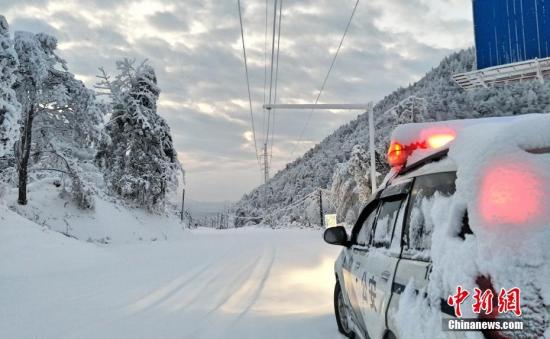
109, 319
261, 286
235, 285
173, 291
245, 296
209, 287
241, 277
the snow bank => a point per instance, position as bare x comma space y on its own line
27, 249
109, 222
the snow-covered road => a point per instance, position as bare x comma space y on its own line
248, 283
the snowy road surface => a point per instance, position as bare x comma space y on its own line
248, 283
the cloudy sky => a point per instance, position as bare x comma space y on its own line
195, 48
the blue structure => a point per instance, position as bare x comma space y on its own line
508, 31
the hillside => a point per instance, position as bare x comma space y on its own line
443, 100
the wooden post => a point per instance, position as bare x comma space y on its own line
321, 214
182, 204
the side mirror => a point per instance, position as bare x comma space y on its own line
336, 236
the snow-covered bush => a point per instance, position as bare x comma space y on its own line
136, 153
82, 193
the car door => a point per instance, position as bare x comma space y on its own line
415, 264
360, 239
377, 269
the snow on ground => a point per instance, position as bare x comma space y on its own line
246, 283
109, 222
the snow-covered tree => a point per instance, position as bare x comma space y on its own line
77, 123
351, 184
344, 194
59, 116
136, 152
9, 106
35, 92
359, 169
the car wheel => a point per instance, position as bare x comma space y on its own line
343, 313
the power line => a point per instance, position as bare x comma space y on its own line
272, 48
292, 205
326, 76
276, 77
271, 66
265, 66
247, 81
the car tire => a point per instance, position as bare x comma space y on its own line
341, 310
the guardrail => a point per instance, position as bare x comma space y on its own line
536, 69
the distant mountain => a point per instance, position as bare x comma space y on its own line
435, 97
207, 208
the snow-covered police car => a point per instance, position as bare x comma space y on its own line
456, 239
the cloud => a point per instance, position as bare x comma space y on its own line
195, 48
168, 21
33, 25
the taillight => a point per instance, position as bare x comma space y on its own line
397, 155
510, 194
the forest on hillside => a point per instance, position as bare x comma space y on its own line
338, 167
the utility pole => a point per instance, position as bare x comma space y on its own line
369, 108
371, 147
266, 164
182, 203
321, 214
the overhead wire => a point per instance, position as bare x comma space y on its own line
248, 81
265, 66
271, 66
276, 78
326, 76
292, 205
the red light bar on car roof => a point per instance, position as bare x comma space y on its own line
429, 139
428, 136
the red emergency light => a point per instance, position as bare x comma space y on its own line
430, 139
397, 155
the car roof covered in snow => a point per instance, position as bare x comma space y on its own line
431, 141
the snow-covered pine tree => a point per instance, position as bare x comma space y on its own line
136, 152
9, 106
359, 169
344, 194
